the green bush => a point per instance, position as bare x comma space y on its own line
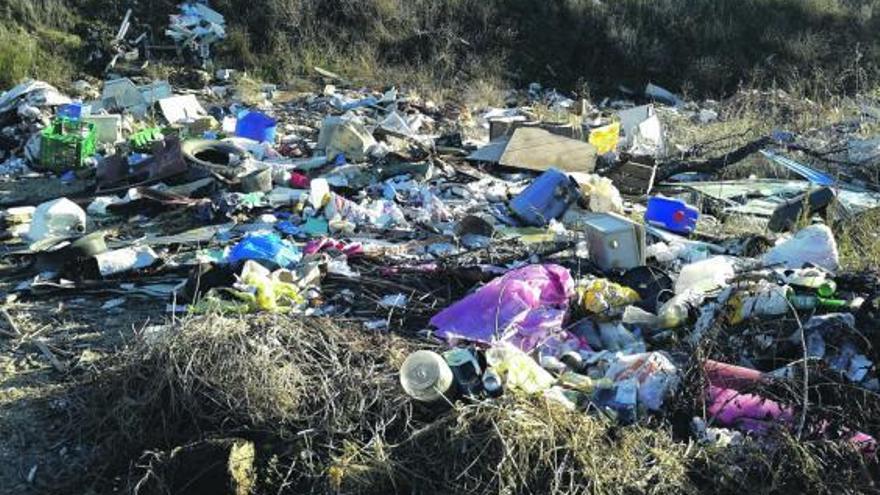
710, 47
18, 55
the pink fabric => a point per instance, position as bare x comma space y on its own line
866, 444
748, 412
318, 245
523, 306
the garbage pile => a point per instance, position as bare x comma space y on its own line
583, 263
196, 28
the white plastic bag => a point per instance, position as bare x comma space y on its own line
814, 244
654, 372
705, 276
604, 197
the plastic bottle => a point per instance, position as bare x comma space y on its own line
677, 311
810, 278
583, 383
808, 302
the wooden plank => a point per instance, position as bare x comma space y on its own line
536, 149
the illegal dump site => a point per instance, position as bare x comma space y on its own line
217, 284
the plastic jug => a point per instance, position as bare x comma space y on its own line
57, 218
672, 214
548, 197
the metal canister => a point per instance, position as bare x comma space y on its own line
426, 377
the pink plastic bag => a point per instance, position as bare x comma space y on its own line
523, 307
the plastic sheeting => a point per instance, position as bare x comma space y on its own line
522, 307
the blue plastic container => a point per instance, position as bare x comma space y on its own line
74, 111
257, 126
546, 198
673, 215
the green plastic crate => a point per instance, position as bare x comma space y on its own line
66, 144
142, 141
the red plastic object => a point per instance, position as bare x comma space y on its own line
731, 376
299, 181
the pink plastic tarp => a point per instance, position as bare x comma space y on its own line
523, 307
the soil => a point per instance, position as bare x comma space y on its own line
40, 451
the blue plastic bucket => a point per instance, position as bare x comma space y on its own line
546, 198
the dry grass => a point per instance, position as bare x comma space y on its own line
322, 405
859, 241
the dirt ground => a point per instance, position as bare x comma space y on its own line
40, 452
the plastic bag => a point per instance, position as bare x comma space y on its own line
257, 289
814, 244
602, 296
518, 370
265, 246
605, 138
765, 299
604, 197
522, 306
705, 276
654, 373
269, 293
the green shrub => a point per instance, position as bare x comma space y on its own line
18, 55
711, 47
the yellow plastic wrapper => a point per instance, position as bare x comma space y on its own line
266, 293
602, 296
520, 371
605, 138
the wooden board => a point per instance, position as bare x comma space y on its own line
537, 149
